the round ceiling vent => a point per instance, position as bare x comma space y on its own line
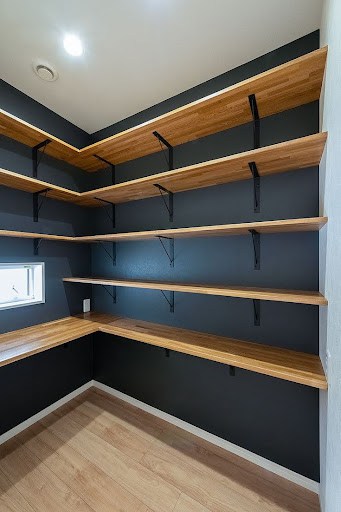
45, 71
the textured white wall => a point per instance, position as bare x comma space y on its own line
330, 261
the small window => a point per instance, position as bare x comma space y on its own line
21, 284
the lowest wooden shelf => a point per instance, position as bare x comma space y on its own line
281, 363
264, 227
284, 87
244, 292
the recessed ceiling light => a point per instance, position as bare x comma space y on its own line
45, 71
73, 45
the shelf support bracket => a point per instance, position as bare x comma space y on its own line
256, 186
111, 256
167, 352
111, 165
35, 156
36, 245
169, 300
162, 140
36, 205
232, 371
256, 247
111, 216
256, 121
170, 254
256, 311
170, 205
112, 295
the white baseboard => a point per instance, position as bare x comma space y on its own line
296, 478
40, 415
211, 438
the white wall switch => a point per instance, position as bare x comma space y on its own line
86, 305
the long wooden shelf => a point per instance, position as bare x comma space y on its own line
284, 87
26, 184
284, 364
23, 343
277, 295
285, 156
264, 227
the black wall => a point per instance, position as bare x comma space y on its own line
265, 415
260, 413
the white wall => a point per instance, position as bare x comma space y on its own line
330, 261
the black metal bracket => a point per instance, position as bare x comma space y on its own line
111, 216
167, 352
111, 256
232, 371
170, 254
112, 295
170, 205
162, 140
256, 311
170, 301
36, 245
256, 186
256, 247
35, 156
111, 165
36, 205
256, 121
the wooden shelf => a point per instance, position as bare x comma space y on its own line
296, 296
23, 343
265, 227
278, 362
286, 156
26, 184
284, 87
25, 234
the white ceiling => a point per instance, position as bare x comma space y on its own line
138, 52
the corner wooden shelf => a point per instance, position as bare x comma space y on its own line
264, 227
32, 185
284, 87
277, 295
281, 363
285, 156
26, 342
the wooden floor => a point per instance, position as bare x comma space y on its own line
99, 454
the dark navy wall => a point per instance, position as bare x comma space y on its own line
34, 383
259, 413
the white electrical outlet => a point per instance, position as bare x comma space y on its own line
86, 305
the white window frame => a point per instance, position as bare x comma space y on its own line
36, 281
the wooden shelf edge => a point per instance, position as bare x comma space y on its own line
263, 227
268, 294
